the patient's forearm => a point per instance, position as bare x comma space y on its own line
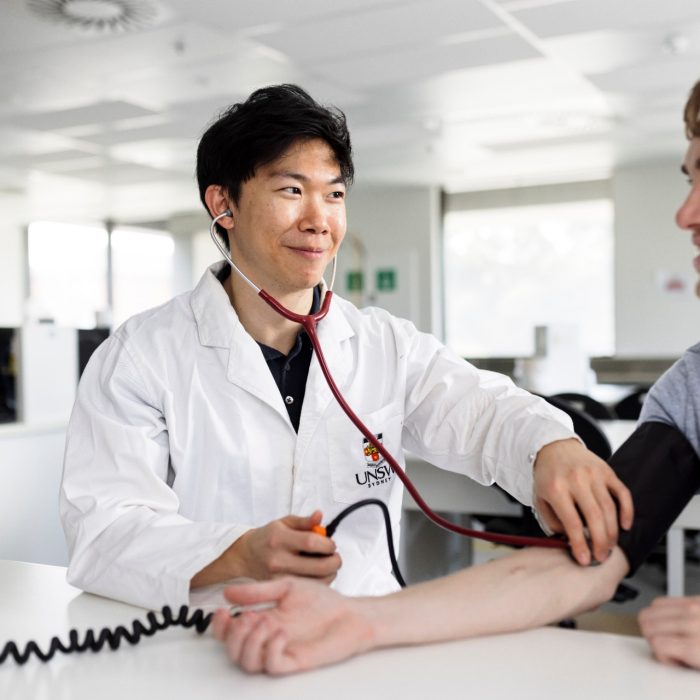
530, 588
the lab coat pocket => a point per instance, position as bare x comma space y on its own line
357, 469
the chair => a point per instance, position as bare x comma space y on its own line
587, 404
585, 427
630, 407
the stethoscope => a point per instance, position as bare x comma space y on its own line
309, 323
198, 619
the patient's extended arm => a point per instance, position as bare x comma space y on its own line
312, 625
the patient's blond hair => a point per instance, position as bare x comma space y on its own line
691, 113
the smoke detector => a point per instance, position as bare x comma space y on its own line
102, 15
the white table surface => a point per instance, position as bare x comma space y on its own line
540, 664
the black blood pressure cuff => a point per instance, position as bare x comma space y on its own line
662, 471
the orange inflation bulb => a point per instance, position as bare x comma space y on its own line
319, 530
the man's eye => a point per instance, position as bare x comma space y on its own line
338, 195
293, 190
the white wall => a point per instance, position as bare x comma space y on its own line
651, 250
30, 477
398, 227
12, 276
184, 229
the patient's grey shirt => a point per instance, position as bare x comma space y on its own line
675, 398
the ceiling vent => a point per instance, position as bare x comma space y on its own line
109, 16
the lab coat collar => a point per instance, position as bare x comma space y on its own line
213, 313
217, 320
218, 326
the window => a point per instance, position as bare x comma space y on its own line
67, 273
510, 269
204, 254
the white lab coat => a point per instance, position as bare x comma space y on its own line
180, 441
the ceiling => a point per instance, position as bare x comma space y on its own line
466, 94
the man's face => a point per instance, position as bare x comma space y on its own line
688, 216
290, 219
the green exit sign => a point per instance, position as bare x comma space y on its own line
354, 281
386, 279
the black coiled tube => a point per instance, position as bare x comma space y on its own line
112, 638
198, 619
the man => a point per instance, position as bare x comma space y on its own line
309, 627
672, 625
205, 445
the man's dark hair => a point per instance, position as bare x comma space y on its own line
258, 131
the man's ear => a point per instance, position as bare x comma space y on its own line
218, 202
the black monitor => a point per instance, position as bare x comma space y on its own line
8, 375
89, 339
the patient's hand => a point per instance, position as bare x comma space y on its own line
672, 628
310, 626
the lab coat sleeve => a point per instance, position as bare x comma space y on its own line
475, 422
125, 536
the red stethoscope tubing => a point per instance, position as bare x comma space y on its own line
309, 322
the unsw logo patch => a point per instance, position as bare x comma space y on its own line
376, 470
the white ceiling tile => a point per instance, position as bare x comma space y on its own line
525, 4
416, 64
244, 14
578, 16
235, 73
411, 25
440, 91
68, 166
144, 201
371, 136
98, 112
167, 48
484, 92
537, 165
664, 73
602, 51
39, 160
119, 174
161, 153
544, 125
33, 86
17, 141
170, 130
553, 139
